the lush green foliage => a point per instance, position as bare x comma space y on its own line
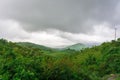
18, 62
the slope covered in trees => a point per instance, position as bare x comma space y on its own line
77, 47
27, 63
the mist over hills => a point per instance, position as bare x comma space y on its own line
77, 46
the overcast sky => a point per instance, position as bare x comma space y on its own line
56, 23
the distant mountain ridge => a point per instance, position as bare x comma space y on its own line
33, 45
78, 46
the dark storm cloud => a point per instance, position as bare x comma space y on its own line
66, 15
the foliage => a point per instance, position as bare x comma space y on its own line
30, 62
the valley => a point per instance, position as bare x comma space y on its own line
29, 61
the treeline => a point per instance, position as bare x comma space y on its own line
27, 63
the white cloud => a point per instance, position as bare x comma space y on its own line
104, 31
12, 30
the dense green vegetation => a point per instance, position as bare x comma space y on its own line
18, 62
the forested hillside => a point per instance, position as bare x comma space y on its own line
18, 62
77, 47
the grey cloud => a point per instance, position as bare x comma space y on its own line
67, 15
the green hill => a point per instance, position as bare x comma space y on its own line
56, 52
32, 45
78, 46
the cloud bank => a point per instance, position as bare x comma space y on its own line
59, 22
